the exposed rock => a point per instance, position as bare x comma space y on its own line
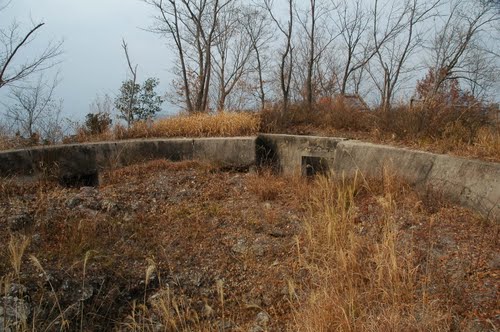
88, 197
261, 322
74, 202
17, 290
240, 247
259, 247
20, 222
262, 318
14, 313
36, 239
258, 250
110, 206
86, 292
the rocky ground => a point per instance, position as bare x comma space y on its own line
196, 246
184, 246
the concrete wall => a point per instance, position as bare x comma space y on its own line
474, 184
471, 183
81, 159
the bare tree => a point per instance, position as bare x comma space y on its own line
34, 110
286, 54
133, 92
354, 24
462, 28
483, 71
191, 25
14, 64
232, 52
256, 25
404, 25
317, 39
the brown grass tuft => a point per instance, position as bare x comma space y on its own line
197, 125
362, 282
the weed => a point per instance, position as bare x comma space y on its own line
362, 283
17, 247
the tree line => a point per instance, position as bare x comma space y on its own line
232, 54
236, 54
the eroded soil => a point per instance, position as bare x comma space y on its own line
166, 246
223, 249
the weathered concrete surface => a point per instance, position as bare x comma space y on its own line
120, 153
226, 152
67, 161
474, 184
48, 160
286, 151
471, 183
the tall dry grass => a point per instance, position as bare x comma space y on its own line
360, 281
208, 125
465, 131
221, 124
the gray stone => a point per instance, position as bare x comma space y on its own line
74, 202
240, 247
262, 318
20, 222
17, 290
258, 249
14, 313
86, 292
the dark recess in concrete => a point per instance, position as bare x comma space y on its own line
266, 153
312, 166
80, 180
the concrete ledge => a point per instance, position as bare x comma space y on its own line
120, 153
52, 159
471, 183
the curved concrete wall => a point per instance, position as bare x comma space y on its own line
471, 183
75, 159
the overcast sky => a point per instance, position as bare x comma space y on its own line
93, 61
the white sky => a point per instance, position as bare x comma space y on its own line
93, 60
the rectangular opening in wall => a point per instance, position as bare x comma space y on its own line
84, 179
314, 165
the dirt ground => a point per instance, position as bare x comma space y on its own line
184, 246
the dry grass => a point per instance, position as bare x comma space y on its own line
222, 124
158, 253
464, 132
208, 125
467, 132
362, 282
17, 247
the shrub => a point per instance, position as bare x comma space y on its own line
97, 123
